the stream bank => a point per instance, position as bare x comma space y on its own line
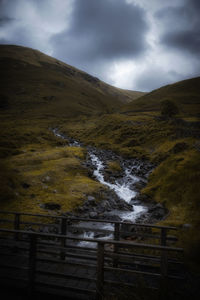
121, 199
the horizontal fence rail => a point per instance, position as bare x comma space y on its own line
87, 267
64, 223
85, 219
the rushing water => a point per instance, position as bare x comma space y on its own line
72, 142
122, 187
123, 190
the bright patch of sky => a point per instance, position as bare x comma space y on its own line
132, 44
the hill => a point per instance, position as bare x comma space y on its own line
186, 95
39, 92
171, 143
33, 83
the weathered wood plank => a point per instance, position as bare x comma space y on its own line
82, 259
32, 262
109, 242
88, 220
100, 272
120, 270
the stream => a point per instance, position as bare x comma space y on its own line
126, 206
121, 187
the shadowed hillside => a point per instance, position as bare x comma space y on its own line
33, 83
186, 94
140, 130
39, 92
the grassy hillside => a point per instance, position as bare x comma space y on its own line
171, 143
39, 92
186, 94
33, 83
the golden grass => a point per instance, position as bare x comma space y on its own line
48, 175
114, 166
39, 92
186, 95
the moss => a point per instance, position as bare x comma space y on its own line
53, 175
185, 94
36, 167
175, 183
114, 166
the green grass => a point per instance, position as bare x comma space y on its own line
185, 94
39, 92
173, 147
34, 84
53, 174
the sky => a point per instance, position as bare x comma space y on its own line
132, 44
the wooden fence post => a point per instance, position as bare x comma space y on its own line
116, 247
100, 271
63, 231
163, 236
32, 262
163, 262
63, 226
17, 225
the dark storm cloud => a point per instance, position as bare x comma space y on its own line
182, 30
4, 20
100, 31
131, 46
185, 40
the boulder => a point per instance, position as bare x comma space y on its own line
93, 215
51, 206
25, 185
109, 217
91, 200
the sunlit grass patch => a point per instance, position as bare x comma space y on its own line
47, 175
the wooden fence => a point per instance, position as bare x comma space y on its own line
85, 267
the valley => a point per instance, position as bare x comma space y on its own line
39, 93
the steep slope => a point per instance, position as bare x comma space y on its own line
37, 84
39, 92
186, 95
171, 143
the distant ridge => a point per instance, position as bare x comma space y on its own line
37, 83
186, 94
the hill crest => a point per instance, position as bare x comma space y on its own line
44, 80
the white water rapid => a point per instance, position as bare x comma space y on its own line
121, 187
122, 190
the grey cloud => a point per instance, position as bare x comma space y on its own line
188, 40
101, 31
182, 27
154, 78
96, 34
5, 20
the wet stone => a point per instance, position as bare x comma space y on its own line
91, 199
93, 215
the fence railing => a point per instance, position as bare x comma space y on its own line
120, 229
106, 266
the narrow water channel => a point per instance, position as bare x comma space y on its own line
123, 188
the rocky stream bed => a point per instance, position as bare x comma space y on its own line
121, 200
